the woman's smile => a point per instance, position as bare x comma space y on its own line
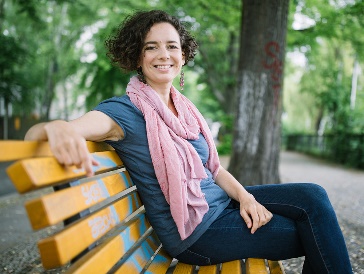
163, 67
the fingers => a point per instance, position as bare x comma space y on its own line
268, 216
246, 218
86, 159
68, 153
263, 217
81, 158
77, 154
70, 148
254, 214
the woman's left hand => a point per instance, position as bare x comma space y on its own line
254, 214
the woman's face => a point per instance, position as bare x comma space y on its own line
161, 59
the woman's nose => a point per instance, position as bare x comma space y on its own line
164, 53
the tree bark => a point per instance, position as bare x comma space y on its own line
256, 143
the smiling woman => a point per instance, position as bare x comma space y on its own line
162, 59
200, 212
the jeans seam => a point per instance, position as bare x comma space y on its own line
313, 231
199, 255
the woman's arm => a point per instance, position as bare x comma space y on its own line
254, 214
67, 140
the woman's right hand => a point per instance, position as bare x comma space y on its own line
68, 146
67, 140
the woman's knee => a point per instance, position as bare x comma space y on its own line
315, 196
313, 191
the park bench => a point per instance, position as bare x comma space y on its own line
103, 224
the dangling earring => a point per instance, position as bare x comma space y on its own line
141, 75
182, 79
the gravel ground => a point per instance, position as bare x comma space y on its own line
345, 187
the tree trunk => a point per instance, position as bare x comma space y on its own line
354, 83
256, 143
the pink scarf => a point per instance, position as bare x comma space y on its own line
177, 165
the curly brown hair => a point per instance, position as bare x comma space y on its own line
125, 46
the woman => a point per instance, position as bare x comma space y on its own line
200, 212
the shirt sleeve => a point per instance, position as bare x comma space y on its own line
122, 111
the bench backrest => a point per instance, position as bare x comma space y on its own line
103, 223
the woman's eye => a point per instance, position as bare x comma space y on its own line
150, 48
172, 47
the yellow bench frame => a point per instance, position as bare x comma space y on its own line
111, 232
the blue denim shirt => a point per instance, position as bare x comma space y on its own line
134, 152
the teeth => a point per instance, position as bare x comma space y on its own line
163, 67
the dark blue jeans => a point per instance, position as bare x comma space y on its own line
303, 224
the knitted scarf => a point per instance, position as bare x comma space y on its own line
178, 167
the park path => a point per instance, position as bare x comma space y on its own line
345, 187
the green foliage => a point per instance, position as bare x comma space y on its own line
99, 79
225, 136
11, 58
342, 147
330, 42
61, 37
54, 48
225, 145
331, 45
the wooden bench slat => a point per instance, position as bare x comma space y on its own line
57, 206
138, 260
276, 267
35, 173
182, 268
160, 263
209, 269
255, 266
16, 149
231, 267
102, 258
61, 247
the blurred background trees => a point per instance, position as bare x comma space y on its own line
53, 61
333, 48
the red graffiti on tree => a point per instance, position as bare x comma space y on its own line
274, 64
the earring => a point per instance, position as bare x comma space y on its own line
141, 75
182, 79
